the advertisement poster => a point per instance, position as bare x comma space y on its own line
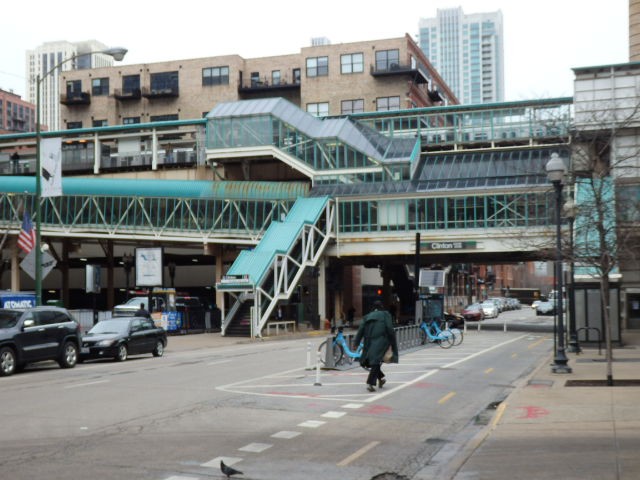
149, 267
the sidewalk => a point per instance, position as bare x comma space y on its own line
549, 429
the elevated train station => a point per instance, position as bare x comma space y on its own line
470, 180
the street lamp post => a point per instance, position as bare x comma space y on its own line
556, 170
570, 214
118, 54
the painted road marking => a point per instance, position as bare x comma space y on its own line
357, 454
255, 447
446, 398
499, 412
77, 385
312, 423
332, 414
352, 405
488, 370
286, 434
258, 385
215, 463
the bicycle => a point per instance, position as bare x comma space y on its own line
458, 336
340, 348
432, 332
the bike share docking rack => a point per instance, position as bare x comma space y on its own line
408, 337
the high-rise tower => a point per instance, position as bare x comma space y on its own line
40, 60
467, 50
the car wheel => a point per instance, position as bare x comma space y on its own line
69, 356
122, 353
159, 350
7, 362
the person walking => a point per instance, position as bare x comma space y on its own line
376, 329
142, 312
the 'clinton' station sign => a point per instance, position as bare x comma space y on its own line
448, 245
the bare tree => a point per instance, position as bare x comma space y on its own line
604, 171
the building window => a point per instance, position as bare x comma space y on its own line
352, 63
164, 82
131, 84
72, 125
317, 66
130, 120
164, 118
385, 104
352, 106
100, 123
318, 109
296, 76
74, 86
387, 60
100, 86
275, 77
255, 79
215, 76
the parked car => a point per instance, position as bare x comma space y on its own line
119, 337
489, 309
547, 307
473, 312
37, 334
499, 303
535, 304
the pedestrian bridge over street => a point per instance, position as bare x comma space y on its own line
470, 180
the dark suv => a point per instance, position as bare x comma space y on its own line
37, 334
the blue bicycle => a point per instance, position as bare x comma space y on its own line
341, 349
446, 338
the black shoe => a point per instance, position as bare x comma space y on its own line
381, 382
371, 388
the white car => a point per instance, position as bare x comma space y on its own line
489, 309
534, 304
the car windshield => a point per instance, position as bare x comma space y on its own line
8, 318
110, 326
474, 306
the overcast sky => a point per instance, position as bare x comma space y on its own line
543, 40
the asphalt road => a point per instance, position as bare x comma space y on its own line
260, 408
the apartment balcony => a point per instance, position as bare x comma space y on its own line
262, 86
161, 92
127, 94
75, 98
417, 72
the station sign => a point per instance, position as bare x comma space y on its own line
449, 245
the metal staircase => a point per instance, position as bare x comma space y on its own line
270, 272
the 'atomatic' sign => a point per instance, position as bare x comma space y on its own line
448, 245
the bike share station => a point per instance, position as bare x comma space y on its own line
338, 351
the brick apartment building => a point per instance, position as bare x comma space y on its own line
375, 75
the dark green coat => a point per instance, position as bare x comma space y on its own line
377, 331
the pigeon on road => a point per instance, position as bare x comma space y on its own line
228, 471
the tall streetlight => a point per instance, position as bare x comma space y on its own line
570, 212
556, 170
118, 54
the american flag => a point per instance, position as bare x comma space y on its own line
27, 236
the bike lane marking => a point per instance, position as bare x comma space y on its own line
259, 384
449, 365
